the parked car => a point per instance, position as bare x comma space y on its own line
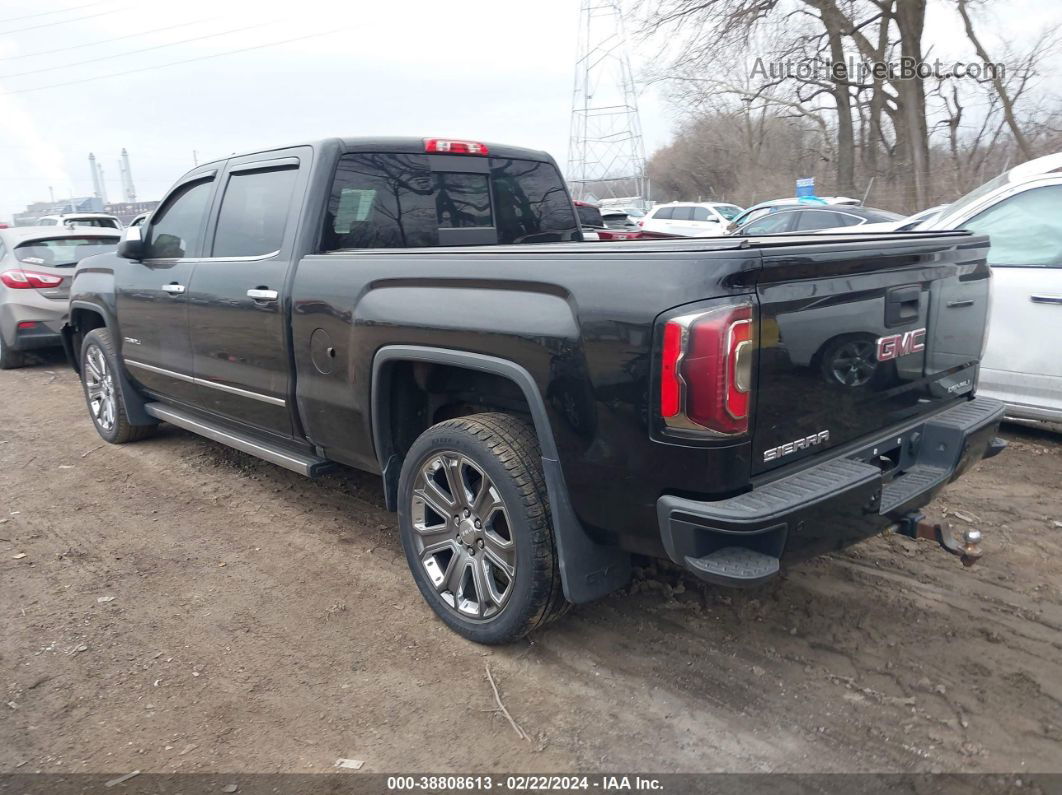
598, 224
35, 269
774, 205
1021, 211
100, 220
907, 224
797, 220
540, 412
689, 219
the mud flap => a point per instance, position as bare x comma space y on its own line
588, 570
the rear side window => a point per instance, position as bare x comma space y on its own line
398, 201
1026, 229
664, 213
176, 230
254, 212
809, 220
683, 214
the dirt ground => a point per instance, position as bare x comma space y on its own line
173, 605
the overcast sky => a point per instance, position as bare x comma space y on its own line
497, 70
482, 69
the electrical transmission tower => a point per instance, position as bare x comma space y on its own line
606, 156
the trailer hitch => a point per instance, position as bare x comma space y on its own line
966, 545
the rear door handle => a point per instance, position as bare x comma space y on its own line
173, 288
262, 294
1046, 299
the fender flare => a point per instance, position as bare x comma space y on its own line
132, 400
588, 569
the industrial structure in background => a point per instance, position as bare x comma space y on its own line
606, 154
126, 210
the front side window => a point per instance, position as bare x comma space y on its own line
176, 230
774, 224
1026, 229
254, 212
700, 214
61, 252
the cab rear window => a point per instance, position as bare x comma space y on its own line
399, 200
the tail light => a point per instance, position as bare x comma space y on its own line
447, 146
24, 280
706, 370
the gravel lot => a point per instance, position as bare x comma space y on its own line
173, 605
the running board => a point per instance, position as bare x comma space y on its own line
308, 465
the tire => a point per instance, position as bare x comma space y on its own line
103, 390
10, 359
849, 362
507, 559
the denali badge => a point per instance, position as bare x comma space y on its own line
799, 444
897, 345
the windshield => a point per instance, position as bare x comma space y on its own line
61, 252
728, 211
589, 216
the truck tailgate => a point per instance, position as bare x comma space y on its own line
857, 337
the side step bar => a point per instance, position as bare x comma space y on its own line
308, 465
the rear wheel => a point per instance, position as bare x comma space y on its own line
103, 390
475, 527
10, 359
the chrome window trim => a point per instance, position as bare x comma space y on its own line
207, 383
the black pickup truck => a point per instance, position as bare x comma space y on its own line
540, 408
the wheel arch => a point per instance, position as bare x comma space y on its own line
84, 317
588, 569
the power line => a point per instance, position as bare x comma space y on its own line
177, 63
136, 52
105, 41
47, 13
65, 21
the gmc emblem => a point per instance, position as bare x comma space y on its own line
897, 345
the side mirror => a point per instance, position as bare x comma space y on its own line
131, 247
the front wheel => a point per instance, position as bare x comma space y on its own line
103, 390
476, 530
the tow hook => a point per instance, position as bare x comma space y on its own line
966, 545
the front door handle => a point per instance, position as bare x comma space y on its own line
173, 288
262, 294
1046, 299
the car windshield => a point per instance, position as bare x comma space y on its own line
589, 216
728, 211
61, 252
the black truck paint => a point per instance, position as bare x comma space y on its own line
363, 349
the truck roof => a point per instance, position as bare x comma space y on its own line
397, 144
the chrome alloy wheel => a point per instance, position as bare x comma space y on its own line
854, 363
99, 383
463, 536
